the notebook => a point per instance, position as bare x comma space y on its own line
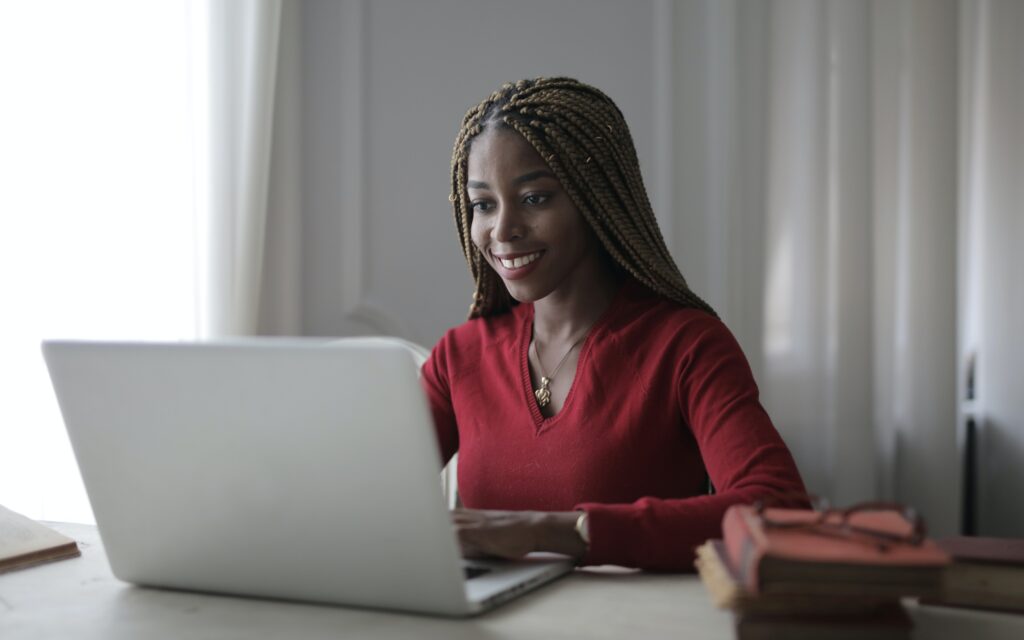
290, 469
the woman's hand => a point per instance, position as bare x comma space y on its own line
513, 534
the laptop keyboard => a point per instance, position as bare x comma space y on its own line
473, 572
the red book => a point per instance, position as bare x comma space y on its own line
801, 557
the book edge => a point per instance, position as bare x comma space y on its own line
42, 556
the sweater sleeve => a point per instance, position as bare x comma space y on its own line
435, 381
743, 453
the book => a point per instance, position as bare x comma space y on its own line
797, 556
24, 542
797, 617
889, 623
723, 585
986, 573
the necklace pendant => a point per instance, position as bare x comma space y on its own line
543, 394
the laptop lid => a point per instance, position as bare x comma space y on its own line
285, 469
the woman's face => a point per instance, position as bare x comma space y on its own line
523, 221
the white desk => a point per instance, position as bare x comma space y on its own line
80, 599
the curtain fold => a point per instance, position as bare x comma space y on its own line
837, 268
281, 294
817, 282
992, 272
243, 57
915, 217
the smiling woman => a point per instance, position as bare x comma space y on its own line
591, 394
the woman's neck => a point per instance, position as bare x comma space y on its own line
565, 315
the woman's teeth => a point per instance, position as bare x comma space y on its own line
521, 261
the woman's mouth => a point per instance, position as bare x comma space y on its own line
518, 266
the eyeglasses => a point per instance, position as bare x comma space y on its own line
840, 522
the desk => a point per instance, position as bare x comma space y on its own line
80, 599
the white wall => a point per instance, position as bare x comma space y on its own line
385, 86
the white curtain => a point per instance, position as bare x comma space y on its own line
817, 208
249, 280
991, 240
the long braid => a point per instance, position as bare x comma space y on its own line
584, 139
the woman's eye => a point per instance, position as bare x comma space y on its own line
480, 206
535, 198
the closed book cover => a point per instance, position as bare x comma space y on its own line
828, 559
986, 573
24, 542
723, 585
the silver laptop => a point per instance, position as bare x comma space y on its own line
289, 469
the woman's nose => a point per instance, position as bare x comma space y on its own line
508, 225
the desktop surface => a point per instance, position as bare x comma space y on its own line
80, 598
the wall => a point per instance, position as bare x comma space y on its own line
385, 85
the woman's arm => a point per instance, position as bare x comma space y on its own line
743, 453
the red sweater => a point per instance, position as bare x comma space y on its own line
662, 395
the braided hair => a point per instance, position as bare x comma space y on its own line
584, 139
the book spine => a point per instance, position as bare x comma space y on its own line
743, 551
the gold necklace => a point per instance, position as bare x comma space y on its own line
543, 394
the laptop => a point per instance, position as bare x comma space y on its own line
288, 469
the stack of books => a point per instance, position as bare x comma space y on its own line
798, 573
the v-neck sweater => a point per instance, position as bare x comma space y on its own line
663, 397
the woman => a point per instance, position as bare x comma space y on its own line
591, 394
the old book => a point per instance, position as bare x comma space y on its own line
787, 551
25, 542
890, 623
986, 573
723, 585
